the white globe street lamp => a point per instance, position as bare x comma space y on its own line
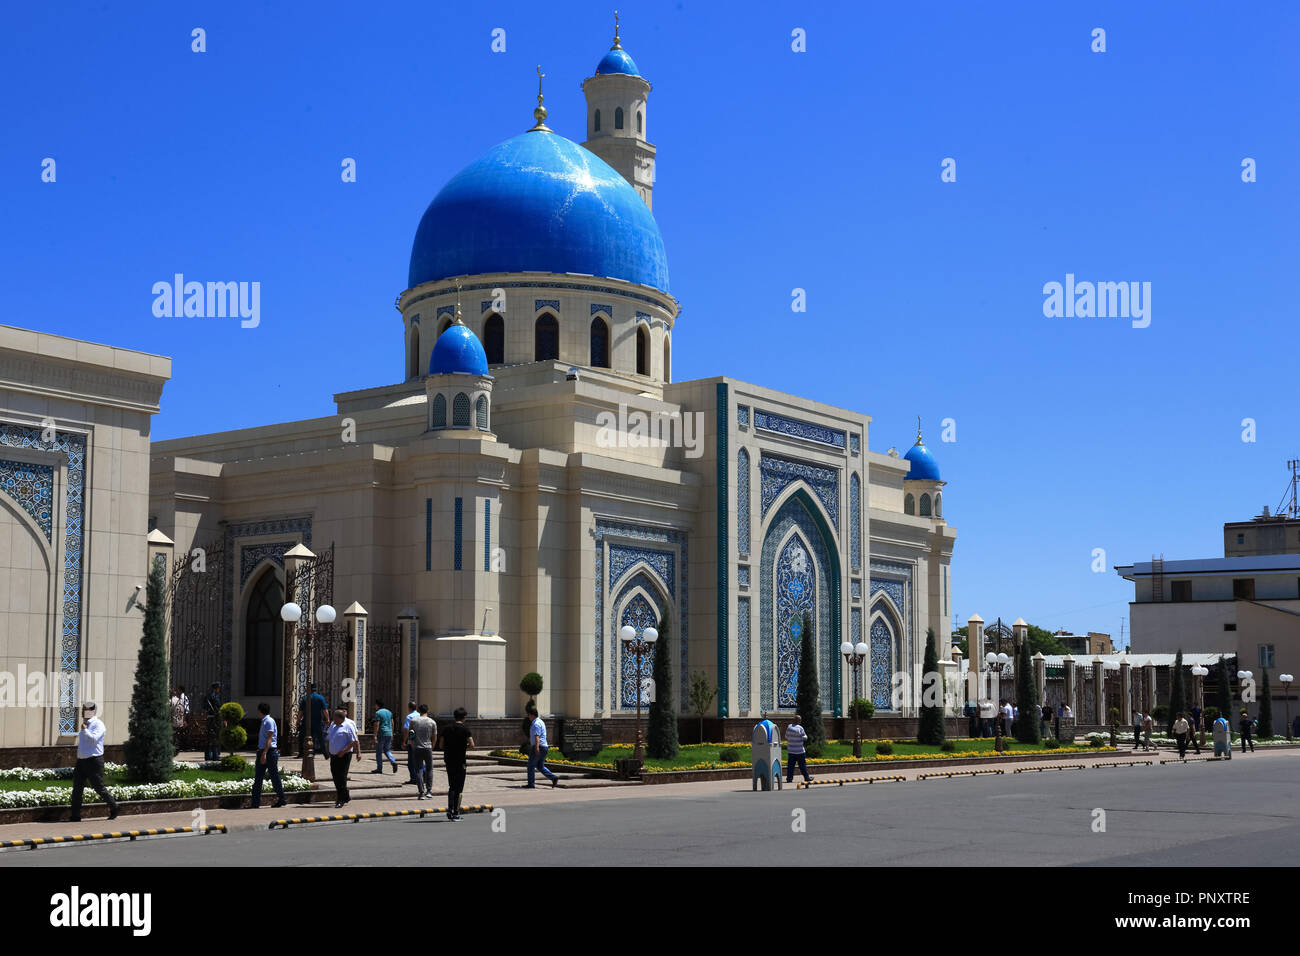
640, 647
1286, 680
291, 613
854, 656
325, 614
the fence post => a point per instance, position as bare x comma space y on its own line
408, 681
356, 617
289, 664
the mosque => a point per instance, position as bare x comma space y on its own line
501, 510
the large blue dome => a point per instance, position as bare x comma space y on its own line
924, 467
458, 351
617, 61
539, 203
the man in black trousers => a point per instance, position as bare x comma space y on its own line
212, 716
268, 758
456, 743
341, 738
90, 762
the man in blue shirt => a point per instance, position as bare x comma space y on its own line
412, 713
341, 739
318, 715
268, 759
382, 728
537, 751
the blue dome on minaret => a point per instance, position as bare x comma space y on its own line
924, 467
458, 352
617, 59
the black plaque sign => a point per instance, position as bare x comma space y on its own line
582, 737
1065, 730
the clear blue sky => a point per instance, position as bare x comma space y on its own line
776, 170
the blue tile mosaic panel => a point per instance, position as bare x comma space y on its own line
742, 416
428, 534
855, 522
855, 588
795, 593
742, 575
854, 444
601, 600
487, 535
882, 663
640, 614
250, 557
602, 307
621, 558
742, 652
540, 304
73, 447
742, 501
32, 489
795, 428
778, 473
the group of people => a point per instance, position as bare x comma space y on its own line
987, 719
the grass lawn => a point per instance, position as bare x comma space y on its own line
119, 779
691, 755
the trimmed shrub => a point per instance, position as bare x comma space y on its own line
1097, 742
1027, 724
531, 684
884, 748
149, 727
234, 762
661, 731
930, 725
1265, 728
1177, 694
947, 746
861, 709
233, 736
729, 755
1051, 743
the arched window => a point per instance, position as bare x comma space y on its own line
263, 637
599, 343
638, 121
494, 339
925, 506
546, 339
439, 411
938, 505
413, 352
596, 127
618, 118
909, 505
480, 413
642, 350
668, 360
460, 411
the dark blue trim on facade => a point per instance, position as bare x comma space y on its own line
721, 423
459, 506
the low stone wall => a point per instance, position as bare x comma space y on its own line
63, 755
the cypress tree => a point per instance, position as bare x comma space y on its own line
661, 734
1225, 691
1265, 706
1027, 726
1177, 694
149, 728
930, 727
808, 698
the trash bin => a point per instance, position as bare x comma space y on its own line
766, 743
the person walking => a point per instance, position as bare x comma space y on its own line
412, 711
341, 742
423, 731
1045, 722
456, 744
1246, 725
268, 759
179, 709
1137, 728
212, 717
1181, 730
1148, 725
315, 710
382, 728
537, 751
795, 738
971, 716
1194, 718
90, 762
1222, 733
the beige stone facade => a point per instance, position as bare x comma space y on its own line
74, 505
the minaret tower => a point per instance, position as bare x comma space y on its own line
616, 118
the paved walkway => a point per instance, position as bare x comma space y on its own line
500, 786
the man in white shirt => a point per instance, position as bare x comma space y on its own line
341, 739
795, 738
90, 762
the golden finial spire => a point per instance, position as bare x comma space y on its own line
617, 44
457, 319
539, 114
919, 439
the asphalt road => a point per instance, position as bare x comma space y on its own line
1181, 815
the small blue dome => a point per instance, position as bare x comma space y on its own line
458, 351
924, 467
617, 61
539, 203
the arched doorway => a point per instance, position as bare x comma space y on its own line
263, 637
494, 339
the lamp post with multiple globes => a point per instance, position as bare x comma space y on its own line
1286, 680
854, 656
1198, 698
291, 614
996, 663
640, 646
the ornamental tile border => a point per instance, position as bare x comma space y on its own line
73, 446
778, 473
539, 304
742, 653
31, 486
797, 428
602, 307
251, 556
742, 501
563, 286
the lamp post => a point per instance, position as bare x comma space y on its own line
996, 664
325, 616
854, 655
1199, 673
290, 614
1286, 690
1110, 666
641, 646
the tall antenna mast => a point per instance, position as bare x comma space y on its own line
1291, 508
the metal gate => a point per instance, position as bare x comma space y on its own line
195, 623
384, 666
324, 645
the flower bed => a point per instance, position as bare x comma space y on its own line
172, 789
